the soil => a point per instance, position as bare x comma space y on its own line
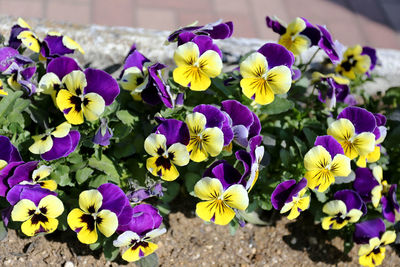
191, 242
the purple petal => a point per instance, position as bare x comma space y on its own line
22, 172
4, 174
8, 152
162, 89
364, 231
371, 52
311, 32
362, 119
60, 147
241, 134
275, 25
7, 55
13, 41
296, 74
28, 73
75, 137
330, 144
326, 43
145, 218
277, 55
297, 188
205, 43
115, 200
61, 66
351, 198
239, 113
135, 59
150, 94
281, 193
175, 131
214, 116
390, 204
221, 31
179, 100
6, 215
139, 195
185, 37
380, 119
364, 183
56, 46
31, 192
102, 83
247, 162
227, 129
227, 174
99, 138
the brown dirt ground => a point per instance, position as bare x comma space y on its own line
191, 242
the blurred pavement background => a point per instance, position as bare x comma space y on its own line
367, 22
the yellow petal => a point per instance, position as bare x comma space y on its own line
296, 26
377, 172
208, 188
48, 184
376, 195
186, 54
342, 130
90, 201
335, 207
49, 226
317, 158
340, 165
40, 173
327, 222
210, 63
29, 228
93, 106
132, 254
375, 155
75, 82
42, 144
132, 79
388, 237
155, 143
364, 143
107, 222
23, 210
354, 215
303, 203
29, 39
300, 44
294, 213
196, 122
23, 23
68, 108
279, 78
74, 219
236, 197
61, 130
319, 178
125, 239
47, 83
213, 141
254, 66
363, 64
180, 154
71, 44
53, 206
258, 89
87, 236
216, 209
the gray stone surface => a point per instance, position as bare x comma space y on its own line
105, 46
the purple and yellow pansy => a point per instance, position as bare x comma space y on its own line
266, 72
325, 161
354, 63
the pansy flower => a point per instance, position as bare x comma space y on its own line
245, 123
373, 236
16, 29
333, 49
90, 217
38, 217
204, 141
353, 63
20, 71
40, 177
380, 135
325, 161
353, 129
56, 143
348, 207
163, 159
373, 188
298, 36
141, 194
289, 196
371, 52
78, 93
221, 191
55, 44
266, 72
333, 89
216, 30
143, 227
15, 173
197, 62
103, 134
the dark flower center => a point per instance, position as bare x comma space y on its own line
136, 244
77, 102
339, 218
91, 209
163, 162
139, 80
39, 218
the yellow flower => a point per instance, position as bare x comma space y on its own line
260, 83
203, 141
218, 204
373, 253
38, 218
339, 216
44, 142
353, 63
298, 203
194, 71
293, 40
30, 40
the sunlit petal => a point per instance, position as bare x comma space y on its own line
90, 200
107, 222
208, 188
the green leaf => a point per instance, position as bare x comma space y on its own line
99, 180
171, 192
105, 165
21, 104
8, 101
149, 261
95, 246
285, 156
252, 217
110, 252
191, 178
126, 117
83, 174
310, 135
279, 105
61, 176
3, 231
300, 145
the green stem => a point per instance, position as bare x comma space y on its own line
310, 60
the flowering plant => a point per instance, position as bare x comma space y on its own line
104, 154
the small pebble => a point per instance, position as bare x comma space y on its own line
69, 264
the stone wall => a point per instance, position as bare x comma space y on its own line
105, 46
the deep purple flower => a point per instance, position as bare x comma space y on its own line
8, 152
337, 91
175, 131
330, 144
14, 173
277, 55
371, 52
55, 45
362, 119
225, 173
285, 191
216, 30
103, 134
364, 183
7, 55
390, 205
144, 219
115, 200
366, 230
333, 49
16, 29
62, 146
351, 199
